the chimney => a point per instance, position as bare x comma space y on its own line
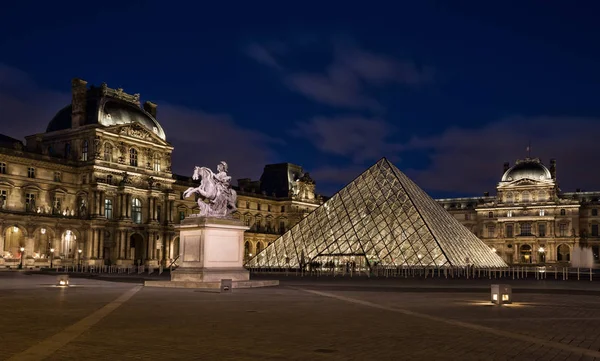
486, 194
150, 108
578, 190
506, 166
78, 102
553, 168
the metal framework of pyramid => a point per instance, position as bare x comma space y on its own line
381, 218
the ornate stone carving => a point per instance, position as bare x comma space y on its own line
217, 198
136, 131
97, 147
122, 152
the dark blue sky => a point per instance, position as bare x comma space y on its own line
447, 90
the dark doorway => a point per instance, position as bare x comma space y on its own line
136, 242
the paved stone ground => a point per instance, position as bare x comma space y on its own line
300, 320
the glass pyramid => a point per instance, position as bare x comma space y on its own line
380, 218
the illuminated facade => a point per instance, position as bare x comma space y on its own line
530, 221
97, 188
383, 219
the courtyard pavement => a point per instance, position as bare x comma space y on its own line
303, 319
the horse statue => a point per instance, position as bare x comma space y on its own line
217, 198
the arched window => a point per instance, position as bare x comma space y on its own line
491, 215
525, 197
246, 249
108, 208
108, 152
109, 179
84, 151
259, 247
509, 197
156, 162
563, 212
136, 210
133, 157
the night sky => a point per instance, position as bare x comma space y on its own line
448, 91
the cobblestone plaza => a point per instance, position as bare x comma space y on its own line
333, 319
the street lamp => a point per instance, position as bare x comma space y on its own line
79, 251
22, 249
51, 256
43, 230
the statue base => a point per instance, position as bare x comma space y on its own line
212, 249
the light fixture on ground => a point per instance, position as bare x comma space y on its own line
51, 256
22, 249
63, 280
43, 230
501, 294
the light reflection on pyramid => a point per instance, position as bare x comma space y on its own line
380, 218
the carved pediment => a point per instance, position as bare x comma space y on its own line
136, 131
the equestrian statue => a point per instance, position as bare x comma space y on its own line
217, 198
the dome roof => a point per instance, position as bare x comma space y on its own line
527, 168
108, 111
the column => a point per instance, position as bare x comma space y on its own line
101, 244
150, 211
89, 243
128, 205
122, 206
171, 210
2, 242
149, 246
123, 249
155, 209
94, 243
102, 198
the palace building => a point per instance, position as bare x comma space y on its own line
529, 220
97, 188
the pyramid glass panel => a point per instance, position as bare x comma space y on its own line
381, 218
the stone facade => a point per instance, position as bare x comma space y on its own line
97, 188
530, 221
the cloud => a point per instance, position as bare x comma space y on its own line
25, 107
470, 161
262, 55
347, 79
205, 139
358, 138
199, 138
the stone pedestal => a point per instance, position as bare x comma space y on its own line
211, 249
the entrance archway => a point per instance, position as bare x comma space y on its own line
525, 252
563, 253
136, 244
14, 239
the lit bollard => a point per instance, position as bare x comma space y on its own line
63, 280
226, 285
501, 294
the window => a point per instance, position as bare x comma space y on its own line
526, 229
542, 212
491, 215
562, 230
136, 210
491, 230
108, 208
509, 213
467, 216
2, 168
247, 221
268, 208
283, 208
181, 215
156, 166
509, 198
84, 151
268, 225
133, 157
108, 152
57, 177
594, 230
109, 179
30, 172
248, 205
594, 212
84, 179
258, 206
158, 212
509, 231
258, 225
525, 197
563, 212
68, 150
542, 230
282, 227
2, 199
30, 202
